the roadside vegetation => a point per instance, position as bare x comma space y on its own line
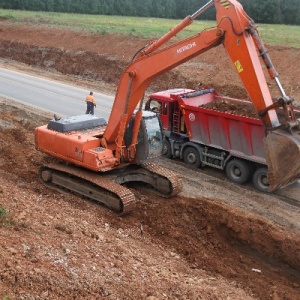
267, 11
273, 34
4, 218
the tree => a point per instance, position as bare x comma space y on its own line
290, 11
267, 11
34, 5
58, 5
163, 9
75, 6
124, 7
17, 4
6, 4
48, 6
143, 8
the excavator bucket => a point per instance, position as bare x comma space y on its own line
282, 150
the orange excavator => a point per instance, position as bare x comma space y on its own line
121, 150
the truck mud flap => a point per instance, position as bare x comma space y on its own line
282, 151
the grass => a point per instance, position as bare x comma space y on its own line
286, 35
3, 217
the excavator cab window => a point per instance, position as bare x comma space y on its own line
154, 134
150, 140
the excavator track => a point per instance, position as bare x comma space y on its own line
88, 184
108, 189
163, 182
175, 182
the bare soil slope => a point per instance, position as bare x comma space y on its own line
216, 240
104, 58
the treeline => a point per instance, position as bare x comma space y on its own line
266, 11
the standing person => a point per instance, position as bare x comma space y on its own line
90, 103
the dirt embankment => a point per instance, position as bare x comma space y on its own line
193, 246
216, 240
104, 58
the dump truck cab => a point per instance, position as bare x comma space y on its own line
205, 129
166, 104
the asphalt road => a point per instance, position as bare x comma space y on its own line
67, 100
62, 99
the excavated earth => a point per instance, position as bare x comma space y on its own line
215, 240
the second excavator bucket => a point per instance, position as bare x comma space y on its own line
282, 150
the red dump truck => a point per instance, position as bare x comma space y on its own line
206, 129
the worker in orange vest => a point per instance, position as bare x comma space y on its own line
90, 103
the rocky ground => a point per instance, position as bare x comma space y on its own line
215, 240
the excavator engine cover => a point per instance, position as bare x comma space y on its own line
282, 150
76, 123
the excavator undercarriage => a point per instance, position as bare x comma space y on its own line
77, 142
111, 190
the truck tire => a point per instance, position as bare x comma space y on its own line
191, 157
167, 151
260, 180
238, 171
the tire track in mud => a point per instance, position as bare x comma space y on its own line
208, 182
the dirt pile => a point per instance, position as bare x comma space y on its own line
240, 109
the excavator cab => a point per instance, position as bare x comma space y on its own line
150, 139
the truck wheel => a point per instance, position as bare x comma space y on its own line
238, 171
167, 151
191, 157
260, 180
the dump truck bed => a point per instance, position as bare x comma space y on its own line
234, 129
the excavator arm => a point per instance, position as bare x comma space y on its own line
238, 34
245, 48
